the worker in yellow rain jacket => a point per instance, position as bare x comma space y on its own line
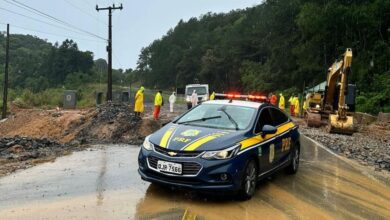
304, 105
139, 101
281, 101
212, 96
158, 102
296, 106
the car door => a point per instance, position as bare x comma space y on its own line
283, 139
266, 149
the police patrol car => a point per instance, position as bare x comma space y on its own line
221, 145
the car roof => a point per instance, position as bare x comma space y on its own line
235, 103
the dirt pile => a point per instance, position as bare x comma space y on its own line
370, 146
108, 123
114, 123
22, 152
41, 124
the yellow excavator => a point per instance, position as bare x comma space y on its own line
333, 104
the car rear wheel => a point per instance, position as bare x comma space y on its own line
294, 164
249, 180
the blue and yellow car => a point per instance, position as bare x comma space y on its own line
224, 145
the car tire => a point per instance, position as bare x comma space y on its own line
292, 168
248, 181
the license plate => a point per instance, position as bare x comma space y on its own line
169, 167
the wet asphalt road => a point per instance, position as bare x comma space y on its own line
103, 183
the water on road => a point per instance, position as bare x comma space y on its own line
103, 183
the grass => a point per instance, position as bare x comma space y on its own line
86, 96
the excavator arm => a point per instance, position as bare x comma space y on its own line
337, 73
339, 121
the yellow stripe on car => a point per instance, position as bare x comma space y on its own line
258, 139
194, 145
166, 136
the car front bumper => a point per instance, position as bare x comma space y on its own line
207, 176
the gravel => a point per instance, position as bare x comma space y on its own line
23, 148
367, 149
23, 152
113, 111
108, 124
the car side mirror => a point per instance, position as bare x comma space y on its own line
268, 129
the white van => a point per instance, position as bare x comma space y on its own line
201, 89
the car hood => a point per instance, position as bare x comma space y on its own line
192, 138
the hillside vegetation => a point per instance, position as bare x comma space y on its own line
279, 45
276, 46
39, 72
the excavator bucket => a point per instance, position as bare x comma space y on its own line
341, 126
313, 119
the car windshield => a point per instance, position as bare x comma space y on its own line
217, 116
201, 90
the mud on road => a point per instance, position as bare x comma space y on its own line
24, 152
103, 183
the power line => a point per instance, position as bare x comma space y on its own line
56, 19
83, 11
38, 20
43, 32
43, 14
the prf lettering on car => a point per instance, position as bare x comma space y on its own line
181, 139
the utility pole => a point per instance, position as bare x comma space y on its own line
4, 112
109, 47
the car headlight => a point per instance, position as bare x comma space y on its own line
222, 154
147, 144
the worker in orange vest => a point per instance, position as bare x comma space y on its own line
273, 99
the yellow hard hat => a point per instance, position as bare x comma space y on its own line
142, 88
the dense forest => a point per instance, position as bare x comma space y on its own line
37, 65
276, 46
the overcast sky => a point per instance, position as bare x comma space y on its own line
136, 26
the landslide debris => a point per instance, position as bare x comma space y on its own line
113, 123
22, 152
40, 124
32, 136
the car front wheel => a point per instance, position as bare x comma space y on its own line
249, 180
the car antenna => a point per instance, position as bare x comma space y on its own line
231, 100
